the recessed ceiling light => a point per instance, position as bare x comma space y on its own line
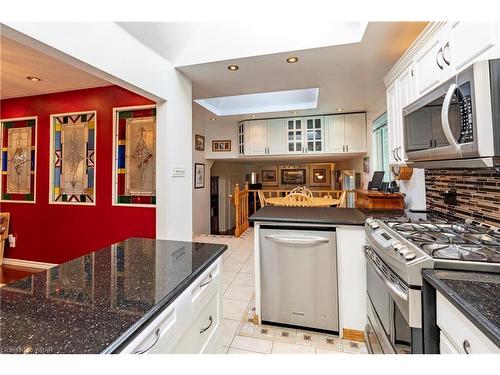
339, 109
33, 78
233, 67
294, 113
292, 60
253, 116
212, 118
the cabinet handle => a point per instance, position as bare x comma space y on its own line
437, 58
209, 324
435, 143
447, 45
466, 346
157, 334
347, 148
430, 142
397, 153
207, 282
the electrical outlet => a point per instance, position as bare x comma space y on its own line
12, 240
178, 172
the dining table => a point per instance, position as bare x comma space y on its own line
315, 202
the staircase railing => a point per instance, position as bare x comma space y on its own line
240, 199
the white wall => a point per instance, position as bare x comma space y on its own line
216, 131
109, 52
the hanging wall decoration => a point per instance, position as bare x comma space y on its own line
18, 139
73, 138
135, 155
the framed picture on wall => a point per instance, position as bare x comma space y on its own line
319, 175
199, 175
293, 176
221, 145
269, 177
199, 142
366, 164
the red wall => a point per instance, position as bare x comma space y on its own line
57, 233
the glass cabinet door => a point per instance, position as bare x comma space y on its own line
314, 134
294, 135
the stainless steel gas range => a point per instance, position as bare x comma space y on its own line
397, 250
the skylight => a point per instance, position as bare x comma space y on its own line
274, 101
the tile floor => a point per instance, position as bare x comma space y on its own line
241, 335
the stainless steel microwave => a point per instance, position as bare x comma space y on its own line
457, 125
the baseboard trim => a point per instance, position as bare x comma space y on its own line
27, 263
353, 335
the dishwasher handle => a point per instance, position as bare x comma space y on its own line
297, 240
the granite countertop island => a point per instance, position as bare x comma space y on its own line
318, 215
98, 302
475, 294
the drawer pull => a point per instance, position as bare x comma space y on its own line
209, 325
157, 334
466, 346
207, 282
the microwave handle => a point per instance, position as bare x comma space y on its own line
445, 122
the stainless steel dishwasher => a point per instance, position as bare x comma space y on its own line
299, 277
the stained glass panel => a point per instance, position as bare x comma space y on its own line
18, 160
73, 158
135, 152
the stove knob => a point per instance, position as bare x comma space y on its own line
374, 225
403, 249
369, 220
409, 255
396, 244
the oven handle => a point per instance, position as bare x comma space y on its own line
392, 286
445, 123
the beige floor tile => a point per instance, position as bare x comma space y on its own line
248, 267
239, 351
228, 277
245, 279
330, 342
233, 266
307, 338
326, 351
252, 344
288, 348
354, 347
232, 309
224, 288
239, 292
246, 328
264, 332
285, 335
229, 328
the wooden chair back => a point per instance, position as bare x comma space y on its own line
298, 199
302, 190
262, 198
4, 232
342, 199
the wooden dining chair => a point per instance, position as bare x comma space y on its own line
298, 199
302, 190
262, 198
342, 199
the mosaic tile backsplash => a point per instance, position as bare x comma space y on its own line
478, 193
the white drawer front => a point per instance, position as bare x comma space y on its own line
206, 326
462, 334
445, 346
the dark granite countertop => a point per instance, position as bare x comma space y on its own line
98, 302
317, 215
475, 294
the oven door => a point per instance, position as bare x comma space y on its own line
388, 330
441, 125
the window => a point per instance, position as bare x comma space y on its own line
381, 146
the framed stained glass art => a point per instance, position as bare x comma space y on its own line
73, 158
135, 156
18, 158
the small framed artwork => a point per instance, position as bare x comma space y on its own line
269, 177
221, 145
319, 175
199, 175
366, 164
199, 142
293, 176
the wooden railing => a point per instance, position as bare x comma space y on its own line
240, 200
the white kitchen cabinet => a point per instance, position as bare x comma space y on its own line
355, 132
335, 133
264, 137
429, 65
276, 136
294, 136
190, 324
345, 133
461, 335
394, 127
314, 135
445, 346
471, 41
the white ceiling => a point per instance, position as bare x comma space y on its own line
348, 76
18, 61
